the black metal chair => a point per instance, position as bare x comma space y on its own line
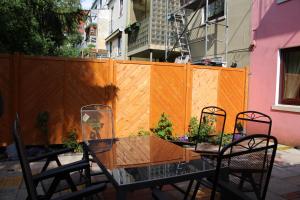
212, 123
243, 168
62, 173
251, 122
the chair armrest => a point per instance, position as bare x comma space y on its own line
62, 170
50, 154
83, 193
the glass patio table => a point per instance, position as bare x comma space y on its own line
147, 161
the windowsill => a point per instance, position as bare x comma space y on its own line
288, 108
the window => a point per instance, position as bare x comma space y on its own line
280, 1
110, 49
215, 9
119, 46
93, 40
290, 76
121, 8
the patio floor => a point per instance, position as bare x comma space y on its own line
284, 184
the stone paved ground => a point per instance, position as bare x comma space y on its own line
284, 184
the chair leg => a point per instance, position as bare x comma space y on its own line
196, 190
188, 190
70, 183
46, 165
57, 161
52, 188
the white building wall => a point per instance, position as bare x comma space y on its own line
118, 23
102, 28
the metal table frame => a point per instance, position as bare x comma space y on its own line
123, 189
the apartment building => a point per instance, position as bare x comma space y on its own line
147, 26
116, 42
216, 32
97, 28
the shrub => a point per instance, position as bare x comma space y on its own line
200, 132
227, 138
164, 127
193, 129
71, 141
143, 132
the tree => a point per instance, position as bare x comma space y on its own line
38, 27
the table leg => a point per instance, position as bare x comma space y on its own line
87, 170
121, 195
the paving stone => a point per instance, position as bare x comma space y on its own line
282, 172
292, 195
9, 196
293, 180
284, 183
273, 196
278, 186
21, 194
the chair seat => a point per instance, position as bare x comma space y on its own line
233, 190
77, 178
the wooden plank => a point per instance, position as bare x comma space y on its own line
168, 89
85, 83
188, 97
231, 95
133, 102
204, 89
6, 90
41, 89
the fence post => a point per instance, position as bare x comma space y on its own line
188, 96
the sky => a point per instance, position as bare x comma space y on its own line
86, 4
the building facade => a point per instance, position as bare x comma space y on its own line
218, 31
97, 29
274, 80
224, 36
116, 42
147, 27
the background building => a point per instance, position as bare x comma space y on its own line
216, 31
116, 42
274, 82
97, 29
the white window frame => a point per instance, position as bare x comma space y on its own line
277, 105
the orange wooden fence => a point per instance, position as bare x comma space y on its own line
138, 92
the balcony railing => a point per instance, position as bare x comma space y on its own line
139, 35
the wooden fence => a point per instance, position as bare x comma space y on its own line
138, 92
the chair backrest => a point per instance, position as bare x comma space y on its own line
97, 124
251, 122
246, 165
212, 122
27, 175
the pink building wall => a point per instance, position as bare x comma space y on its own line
274, 26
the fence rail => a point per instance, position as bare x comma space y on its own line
138, 92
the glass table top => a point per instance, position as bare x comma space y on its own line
144, 158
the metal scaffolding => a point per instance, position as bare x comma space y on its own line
181, 18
